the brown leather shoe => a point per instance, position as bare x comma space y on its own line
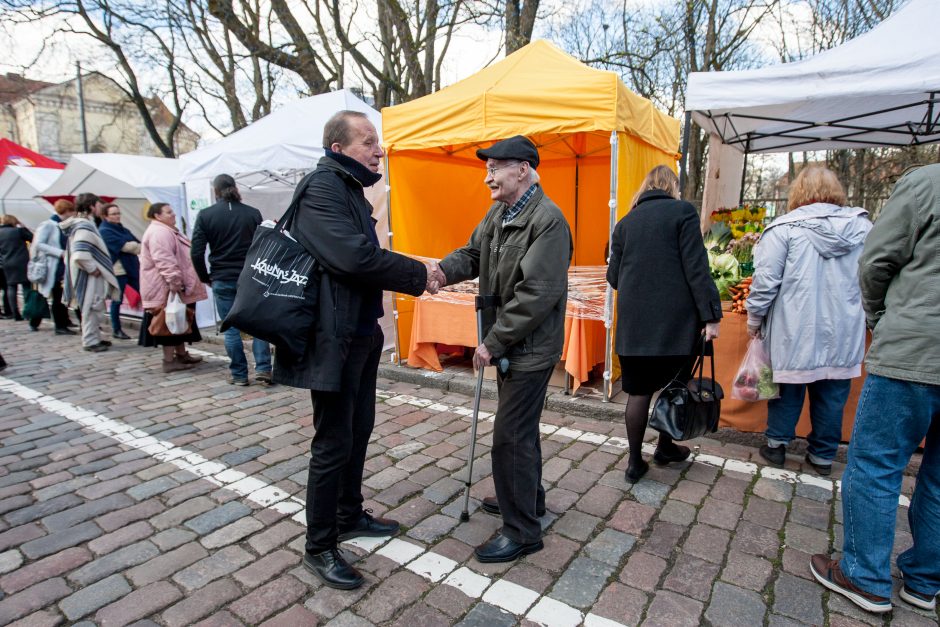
175, 365
828, 573
186, 358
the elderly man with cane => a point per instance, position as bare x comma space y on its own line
520, 251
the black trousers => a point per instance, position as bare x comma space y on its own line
60, 313
517, 452
343, 421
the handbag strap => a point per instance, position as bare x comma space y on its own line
699, 367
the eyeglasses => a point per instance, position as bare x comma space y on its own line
493, 171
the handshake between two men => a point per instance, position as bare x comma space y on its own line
436, 278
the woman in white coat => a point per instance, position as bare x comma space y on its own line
805, 301
49, 244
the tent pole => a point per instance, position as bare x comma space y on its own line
747, 147
396, 358
684, 159
609, 293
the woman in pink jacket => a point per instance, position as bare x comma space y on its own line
165, 268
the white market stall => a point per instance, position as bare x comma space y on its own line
269, 157
879, 89
135, 182
19, 187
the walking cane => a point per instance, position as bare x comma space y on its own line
481, 303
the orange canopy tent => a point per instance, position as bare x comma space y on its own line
596, 139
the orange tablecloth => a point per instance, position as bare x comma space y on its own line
437, 322
746, 416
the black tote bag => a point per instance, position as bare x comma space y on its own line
277, 292
691, 409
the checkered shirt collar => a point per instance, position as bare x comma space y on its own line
517, 206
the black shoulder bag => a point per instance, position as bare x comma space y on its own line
278, 289
691, 409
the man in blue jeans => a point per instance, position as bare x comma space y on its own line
228, 227
898, 409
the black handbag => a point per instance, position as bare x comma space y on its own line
691, 409
277, 292
35, 305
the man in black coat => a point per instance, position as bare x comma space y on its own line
334, 223
228, 227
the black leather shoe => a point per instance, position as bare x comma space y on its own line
491, 506
95, 348
677, 453
120, 335
369, 527
635, 472
65, 331
502, 549
821, 469
774, 455
105, 342
333, 570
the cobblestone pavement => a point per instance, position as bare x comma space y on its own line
130, 496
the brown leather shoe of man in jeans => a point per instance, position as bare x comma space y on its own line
828, 573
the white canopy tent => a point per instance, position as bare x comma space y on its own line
19, 186
879, 89
270, 156
135, 182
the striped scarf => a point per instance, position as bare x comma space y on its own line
85, 245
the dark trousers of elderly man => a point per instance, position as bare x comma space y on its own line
520, 252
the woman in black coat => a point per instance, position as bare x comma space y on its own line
15, 256
665, 300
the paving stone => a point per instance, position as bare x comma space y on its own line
328, 602
577, 525
720, 513
631, 517
643, 571
756, 540
449, 600
104, 488
650, 492
799, 599
274, 537
348, 619
86, 511
172, 538
35, 597
747, 571
692, 577
10, 560
677, 512
293, 617
735, 607
442, 490
621, 604
90, 598
235, 532
806, 539
145, 510
581, 582
703, 473
610, 546
11, 503
664, 540
810, 513
773, 490
184, 511
669, 609
218, 564
730, 489
270, 598
201, 603
40, 509
421, 614
708, 543
412, 512
165, 564
122, 537
138, 604
113, 562
555, 556
600, 501
259, 571
386, 478
153, 487
63, 539
66, 487
432, 528
46, 568
486, 615
219, 517
244, 455
814, 492
770, 514
399, 590
44, 618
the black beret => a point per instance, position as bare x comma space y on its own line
518, 147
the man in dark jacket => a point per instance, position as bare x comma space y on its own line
228, 227
334, 223
520, 251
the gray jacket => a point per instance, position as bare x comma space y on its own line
806, 296
45, 247
900, 279
525, 263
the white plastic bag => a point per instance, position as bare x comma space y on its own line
175, 314
755, 378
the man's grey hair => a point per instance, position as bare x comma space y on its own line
337, 131
533, 177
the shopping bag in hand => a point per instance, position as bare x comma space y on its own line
755, 378
176, 315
